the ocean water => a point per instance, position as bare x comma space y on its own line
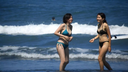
28, 43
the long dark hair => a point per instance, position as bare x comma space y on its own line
66, 17
103, 16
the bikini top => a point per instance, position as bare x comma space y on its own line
101, 32
65, 32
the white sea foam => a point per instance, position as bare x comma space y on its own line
79, 53
115, 56
115, 29
82, 55
40, 29
32, 55
80, 50
4, 48
72, 56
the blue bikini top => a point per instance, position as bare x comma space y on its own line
65, 32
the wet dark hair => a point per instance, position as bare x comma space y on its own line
53, 18
103, 16
66, 17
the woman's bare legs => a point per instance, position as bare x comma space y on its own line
66, 57
101, 57
63, 56
106, 63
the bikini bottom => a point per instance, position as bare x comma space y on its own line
101, 43
64, 45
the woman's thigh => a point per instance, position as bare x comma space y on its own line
103, 50
67, 54
61, 51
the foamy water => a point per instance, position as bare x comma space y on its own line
40, 29
51, 53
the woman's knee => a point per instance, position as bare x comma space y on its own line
100, 59
66, 61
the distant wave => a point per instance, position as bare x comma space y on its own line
55, 56
51, 53
33, 29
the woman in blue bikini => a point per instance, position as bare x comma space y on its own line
104, 40
64, 32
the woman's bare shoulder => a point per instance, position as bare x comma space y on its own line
62, 25
105, 25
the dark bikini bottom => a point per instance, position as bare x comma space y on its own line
64, 45
101, 43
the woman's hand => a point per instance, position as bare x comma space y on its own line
66, 37
91, 41
109, 49
70, 38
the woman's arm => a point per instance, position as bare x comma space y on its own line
92, 40
96, 37
58, 30
71, 37
109, 36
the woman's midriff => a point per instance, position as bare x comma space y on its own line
63, 40
103, 38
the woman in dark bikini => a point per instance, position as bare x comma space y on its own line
104, 41
64, 32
